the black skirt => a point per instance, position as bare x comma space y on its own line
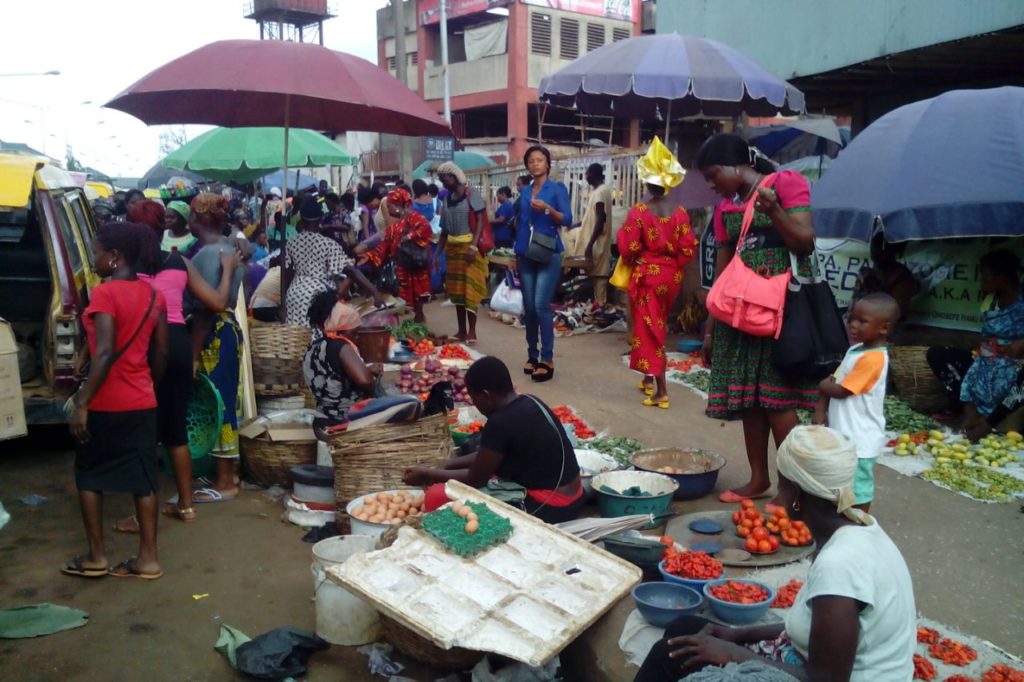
175, 389
121, 455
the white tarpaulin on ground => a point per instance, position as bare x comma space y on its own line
486, 40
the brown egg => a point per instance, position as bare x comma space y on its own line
465, 512
472, 526
457, 506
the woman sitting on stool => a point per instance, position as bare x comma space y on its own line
522, 442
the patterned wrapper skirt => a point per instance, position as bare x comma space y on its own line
466, 282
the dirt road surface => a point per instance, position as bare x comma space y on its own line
965, 556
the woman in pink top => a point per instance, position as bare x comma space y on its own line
171, 274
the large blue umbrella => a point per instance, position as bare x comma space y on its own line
951, 166
668, 75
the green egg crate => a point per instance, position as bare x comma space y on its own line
449, 529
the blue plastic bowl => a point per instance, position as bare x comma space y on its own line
672, 578
689, 345
662, 603
691, 486
738, 614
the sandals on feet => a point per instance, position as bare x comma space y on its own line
647, 388
77, 568
544, 372
129, 524
210, 495
651, 402
186, 515
530, 367
129, 569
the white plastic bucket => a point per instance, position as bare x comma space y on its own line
341, 617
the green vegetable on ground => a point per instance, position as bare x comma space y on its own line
900, 417
977, 481
407, 329
620, 448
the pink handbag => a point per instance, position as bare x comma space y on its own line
743, 299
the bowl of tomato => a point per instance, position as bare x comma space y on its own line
693, 569
739, 602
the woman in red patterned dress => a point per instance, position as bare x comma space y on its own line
656, 240
412, 261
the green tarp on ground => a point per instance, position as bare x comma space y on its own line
38, 620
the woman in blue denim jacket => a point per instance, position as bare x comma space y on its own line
542, 208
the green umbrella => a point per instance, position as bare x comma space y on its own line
245, 154
467, 161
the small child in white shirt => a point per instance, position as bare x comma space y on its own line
853, 398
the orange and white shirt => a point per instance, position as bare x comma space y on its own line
861, 416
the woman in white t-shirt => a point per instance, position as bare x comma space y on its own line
854, 619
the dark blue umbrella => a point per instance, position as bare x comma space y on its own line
951, 166
669, 75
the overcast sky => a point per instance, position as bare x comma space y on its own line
103, 46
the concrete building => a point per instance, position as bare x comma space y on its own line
868, 57
498, 51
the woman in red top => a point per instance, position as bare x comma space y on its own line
409, 226
656, 240
114, 418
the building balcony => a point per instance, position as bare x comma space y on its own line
467, 78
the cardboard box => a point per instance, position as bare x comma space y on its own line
12, 406
261, 428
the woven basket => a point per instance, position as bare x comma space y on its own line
373, 459
425, 651
915, 381
277, 352
267, 463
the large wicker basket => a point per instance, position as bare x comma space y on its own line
277, 352
266, 462
374, 459
914, 379
425, 651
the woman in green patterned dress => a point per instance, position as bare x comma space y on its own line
743, 381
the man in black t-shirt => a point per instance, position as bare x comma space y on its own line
522, 442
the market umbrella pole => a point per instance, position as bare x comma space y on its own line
284, 202
668, 120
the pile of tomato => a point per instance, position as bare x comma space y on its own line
924, 669
764, 534
453, 351
472, 427
692, 565
927, 635
959, 678
738, 592
1002, 673
952, 652
786, 595
686, 365
567, 416
424, 347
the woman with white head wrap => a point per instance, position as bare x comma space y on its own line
854, 619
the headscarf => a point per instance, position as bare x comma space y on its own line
399, 197
822, 462
343, 318
659, 167
210, 210
181, 208
450, 168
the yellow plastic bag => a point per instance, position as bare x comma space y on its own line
621, 275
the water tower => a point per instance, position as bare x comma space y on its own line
294, 20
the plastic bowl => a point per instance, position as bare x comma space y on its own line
460, 437
662, 603
612, 505
689, 345
646, 555
704, 463
738, 614
679, 580
374, 530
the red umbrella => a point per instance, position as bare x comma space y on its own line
249, 83
244, 83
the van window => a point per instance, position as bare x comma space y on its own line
13, 224
67, 230
84, 225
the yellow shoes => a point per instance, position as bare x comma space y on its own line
651, 402
648, 389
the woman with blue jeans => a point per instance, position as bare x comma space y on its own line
542, 208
